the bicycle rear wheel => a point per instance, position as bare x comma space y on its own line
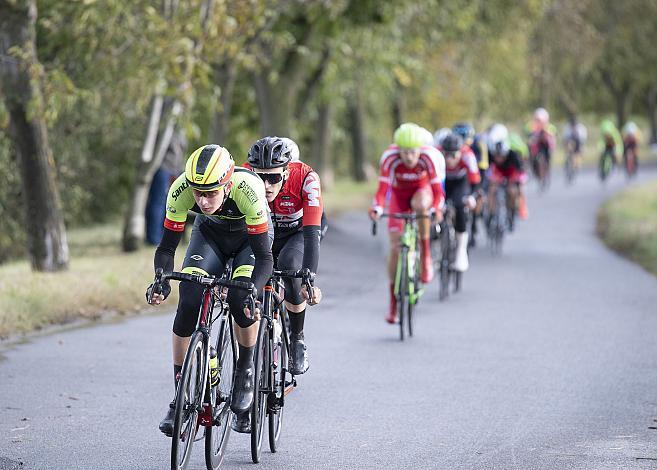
216, 436
260, 382
274, 403
188, 401
605, 165
445, 244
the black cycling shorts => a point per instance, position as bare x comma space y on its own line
288, 255
210, 248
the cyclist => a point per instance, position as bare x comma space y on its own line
293, 192
414, 173
476, 142
610, 140
461, 181
233, 222
574, 138
505, 164
541, 139
439, 135
631, 139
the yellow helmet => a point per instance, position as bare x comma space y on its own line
209, 167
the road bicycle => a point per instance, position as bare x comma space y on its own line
542, 169
630, 160
448, 244
273, 381
570, 168
407, 287
199, 403
606, 163
500, 220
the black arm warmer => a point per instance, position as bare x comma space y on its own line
166, 250
311, 237
264, 261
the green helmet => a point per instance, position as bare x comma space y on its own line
410, 135
607, 127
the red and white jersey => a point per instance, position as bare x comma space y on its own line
466, 166
299, 202
394, 175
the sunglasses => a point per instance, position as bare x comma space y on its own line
271, 178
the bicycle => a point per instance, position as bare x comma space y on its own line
630, 161
197, 402
606, 163
500, 220
271, 360
570, 169
408, 288
448, 247
542, 170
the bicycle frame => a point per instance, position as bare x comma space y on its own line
408, 246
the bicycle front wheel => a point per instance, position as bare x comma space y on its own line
402, 290
188, 401
216, 436
260, 383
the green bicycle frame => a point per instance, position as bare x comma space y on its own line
408, 247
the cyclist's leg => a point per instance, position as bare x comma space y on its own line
398, 203
495, 178
421, 203
202, 257
290, 257
458, 194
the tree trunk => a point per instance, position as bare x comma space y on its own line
398, 107
322, 146
358, 139
225, 76
155, 146
652, 113
20, 80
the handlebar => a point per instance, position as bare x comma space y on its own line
404, 216
307, 278
209, 282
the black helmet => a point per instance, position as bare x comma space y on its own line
270, 152
452, 142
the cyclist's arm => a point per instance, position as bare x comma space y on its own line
384, 177
474, 177
248, 192
436, 168
313, 208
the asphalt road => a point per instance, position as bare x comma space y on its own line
546, 360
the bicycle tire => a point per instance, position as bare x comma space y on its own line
258, 408
605, 165
188, 401
402, 290
445, 262
216, 436
569, 169
415, 284
275, 410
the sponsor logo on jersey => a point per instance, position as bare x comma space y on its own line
171, 209
287, 204
179, 190
311, 188
196, 257
248, 192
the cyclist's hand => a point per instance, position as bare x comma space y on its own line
256, 313
316, 297
437, 216
470, 202
157, 293
375, 212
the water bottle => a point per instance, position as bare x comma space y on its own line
214, 367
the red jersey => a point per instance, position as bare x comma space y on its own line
299, 202
467, 166
394, 175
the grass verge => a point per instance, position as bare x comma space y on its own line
102, 280
627, 223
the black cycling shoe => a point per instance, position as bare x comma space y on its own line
242, 390
241, 423
166, 425
298, 355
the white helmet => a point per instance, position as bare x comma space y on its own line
498, 139
542, 115
294, 148
428, 138
440, 134
630, 128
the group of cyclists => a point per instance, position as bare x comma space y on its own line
269, 213
266, 213
420, 172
